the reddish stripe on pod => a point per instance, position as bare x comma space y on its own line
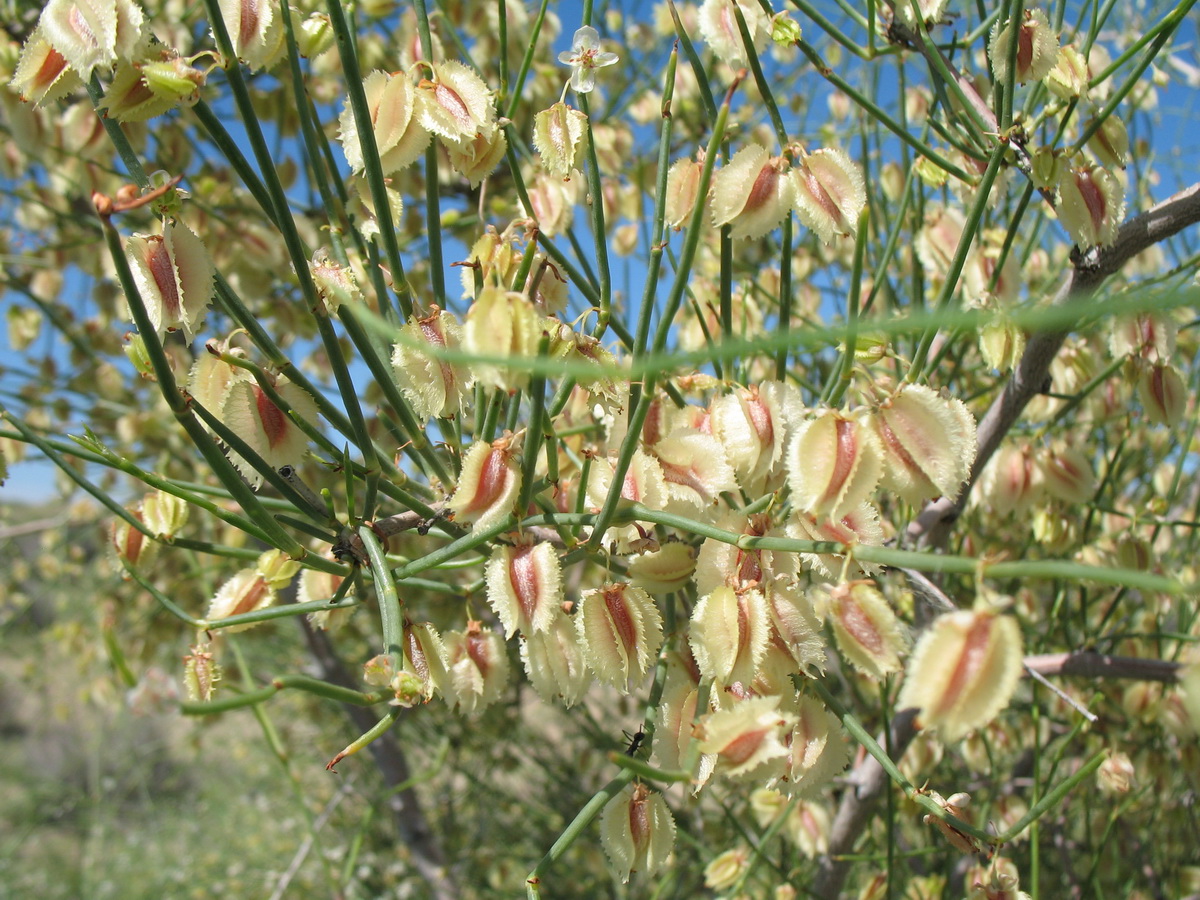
624, 625
158, 261
253, 596
970, 661
763, 188
1092, 196
1024, 48
742, 747
749, 566
859, 625
434, 337
760, 419
686, 477
248, 23
450, 101
893, 443
743, 625
492, 478
274, 422
523, 576
639, 820
133, 544
845, 460
80, 26
52, 66
629, 488
477, 649
822, 196
416, 653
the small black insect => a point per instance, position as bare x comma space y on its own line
635, 741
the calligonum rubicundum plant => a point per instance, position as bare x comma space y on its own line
795, 421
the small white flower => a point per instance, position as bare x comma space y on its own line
584, 57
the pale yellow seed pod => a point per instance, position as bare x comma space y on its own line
425, 658
963, 671
254, 417
524, 586
725, 870
767, 805
637, 831
829, 193
1147, 335
475, 158
753, 426
130, 546
817, 748
1037, 47
277, 569
477, 668
683, 189
256, 31
174, 276
752, 194
1091, 204
1116, 774
502, 323
43, 74
621, 631
245, 592
859, 526
748, 737
1163, 394
558, 136
554, 662
928, 443
201, 673
662, 571
694, 470
728, 634
833, 464
719, 28
1069, 76
164, 514
1011, 481
455, 104
434, 387
321, 586
808, 826
867, 630
1001, 343
400, 139
938, 241
488, 485
1067, 474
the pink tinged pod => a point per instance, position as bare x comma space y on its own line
1163, 394
475, 158
400, 139
833, 464
477, 668
928, 443
751, 426
434, 387
1037, 47
554, 662
694, 470
455, 104
719, 28
796, 627
752, 193
621, 631
637, 831
728, 634
859, 526
662, 571
867, 631
130, 546
558, 136
524, 587
245, 592
487, 485
255, 31
683, 188
817, 748
425, 658
92, 34
316, 585
963, 671
174, 276
1012, 481
829, 193
43, 75
1067, 474
502, 323
1148, 335
748, 736
255, 418
1091, 204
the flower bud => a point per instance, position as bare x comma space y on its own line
833, 464
174, 277
1163, 394
1037, 48
621, 631
400, 139
245, 592
554, 661
728, 634
1091, 204
637, 831
524, 586
477, 668
277, 569
752, 194
487, 485
830, 193
558, 136
928, 443
867, 631
963, 671
164, 514
747, 736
